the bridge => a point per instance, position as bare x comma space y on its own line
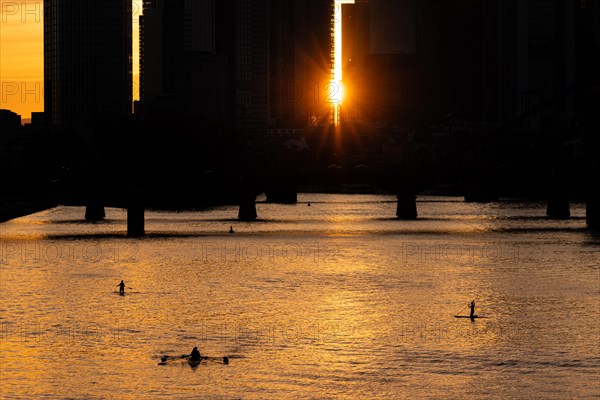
476, 163
169, 165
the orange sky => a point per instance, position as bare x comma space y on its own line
22, 55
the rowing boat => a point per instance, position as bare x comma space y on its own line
466, 316
194, 363
165, 360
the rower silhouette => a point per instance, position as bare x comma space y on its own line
195, 354
231, 229
121, 287
472, 306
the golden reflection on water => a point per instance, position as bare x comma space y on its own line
303, 313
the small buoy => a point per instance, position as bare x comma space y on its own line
231, 229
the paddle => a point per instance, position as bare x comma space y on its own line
464, 308
224, 360
167, 359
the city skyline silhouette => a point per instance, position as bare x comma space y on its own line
467, 93
288, 199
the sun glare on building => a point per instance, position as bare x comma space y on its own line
338, 95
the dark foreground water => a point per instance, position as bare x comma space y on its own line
338, 300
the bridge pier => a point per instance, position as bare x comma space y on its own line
94, 211
558, 204
247, 210
407, 204
135, 221
592, 208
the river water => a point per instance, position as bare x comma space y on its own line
336, 300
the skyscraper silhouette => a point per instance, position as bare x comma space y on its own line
87, 62
252, 64
186, 60
300, 61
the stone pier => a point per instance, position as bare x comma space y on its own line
407, 204
592, 208
247, 208
135, 221
558, 203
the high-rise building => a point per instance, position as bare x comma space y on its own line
381, 75
393, 27
530, 60
252, 64
187, 60
9, 119
300, 62
87, 62
171, 38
